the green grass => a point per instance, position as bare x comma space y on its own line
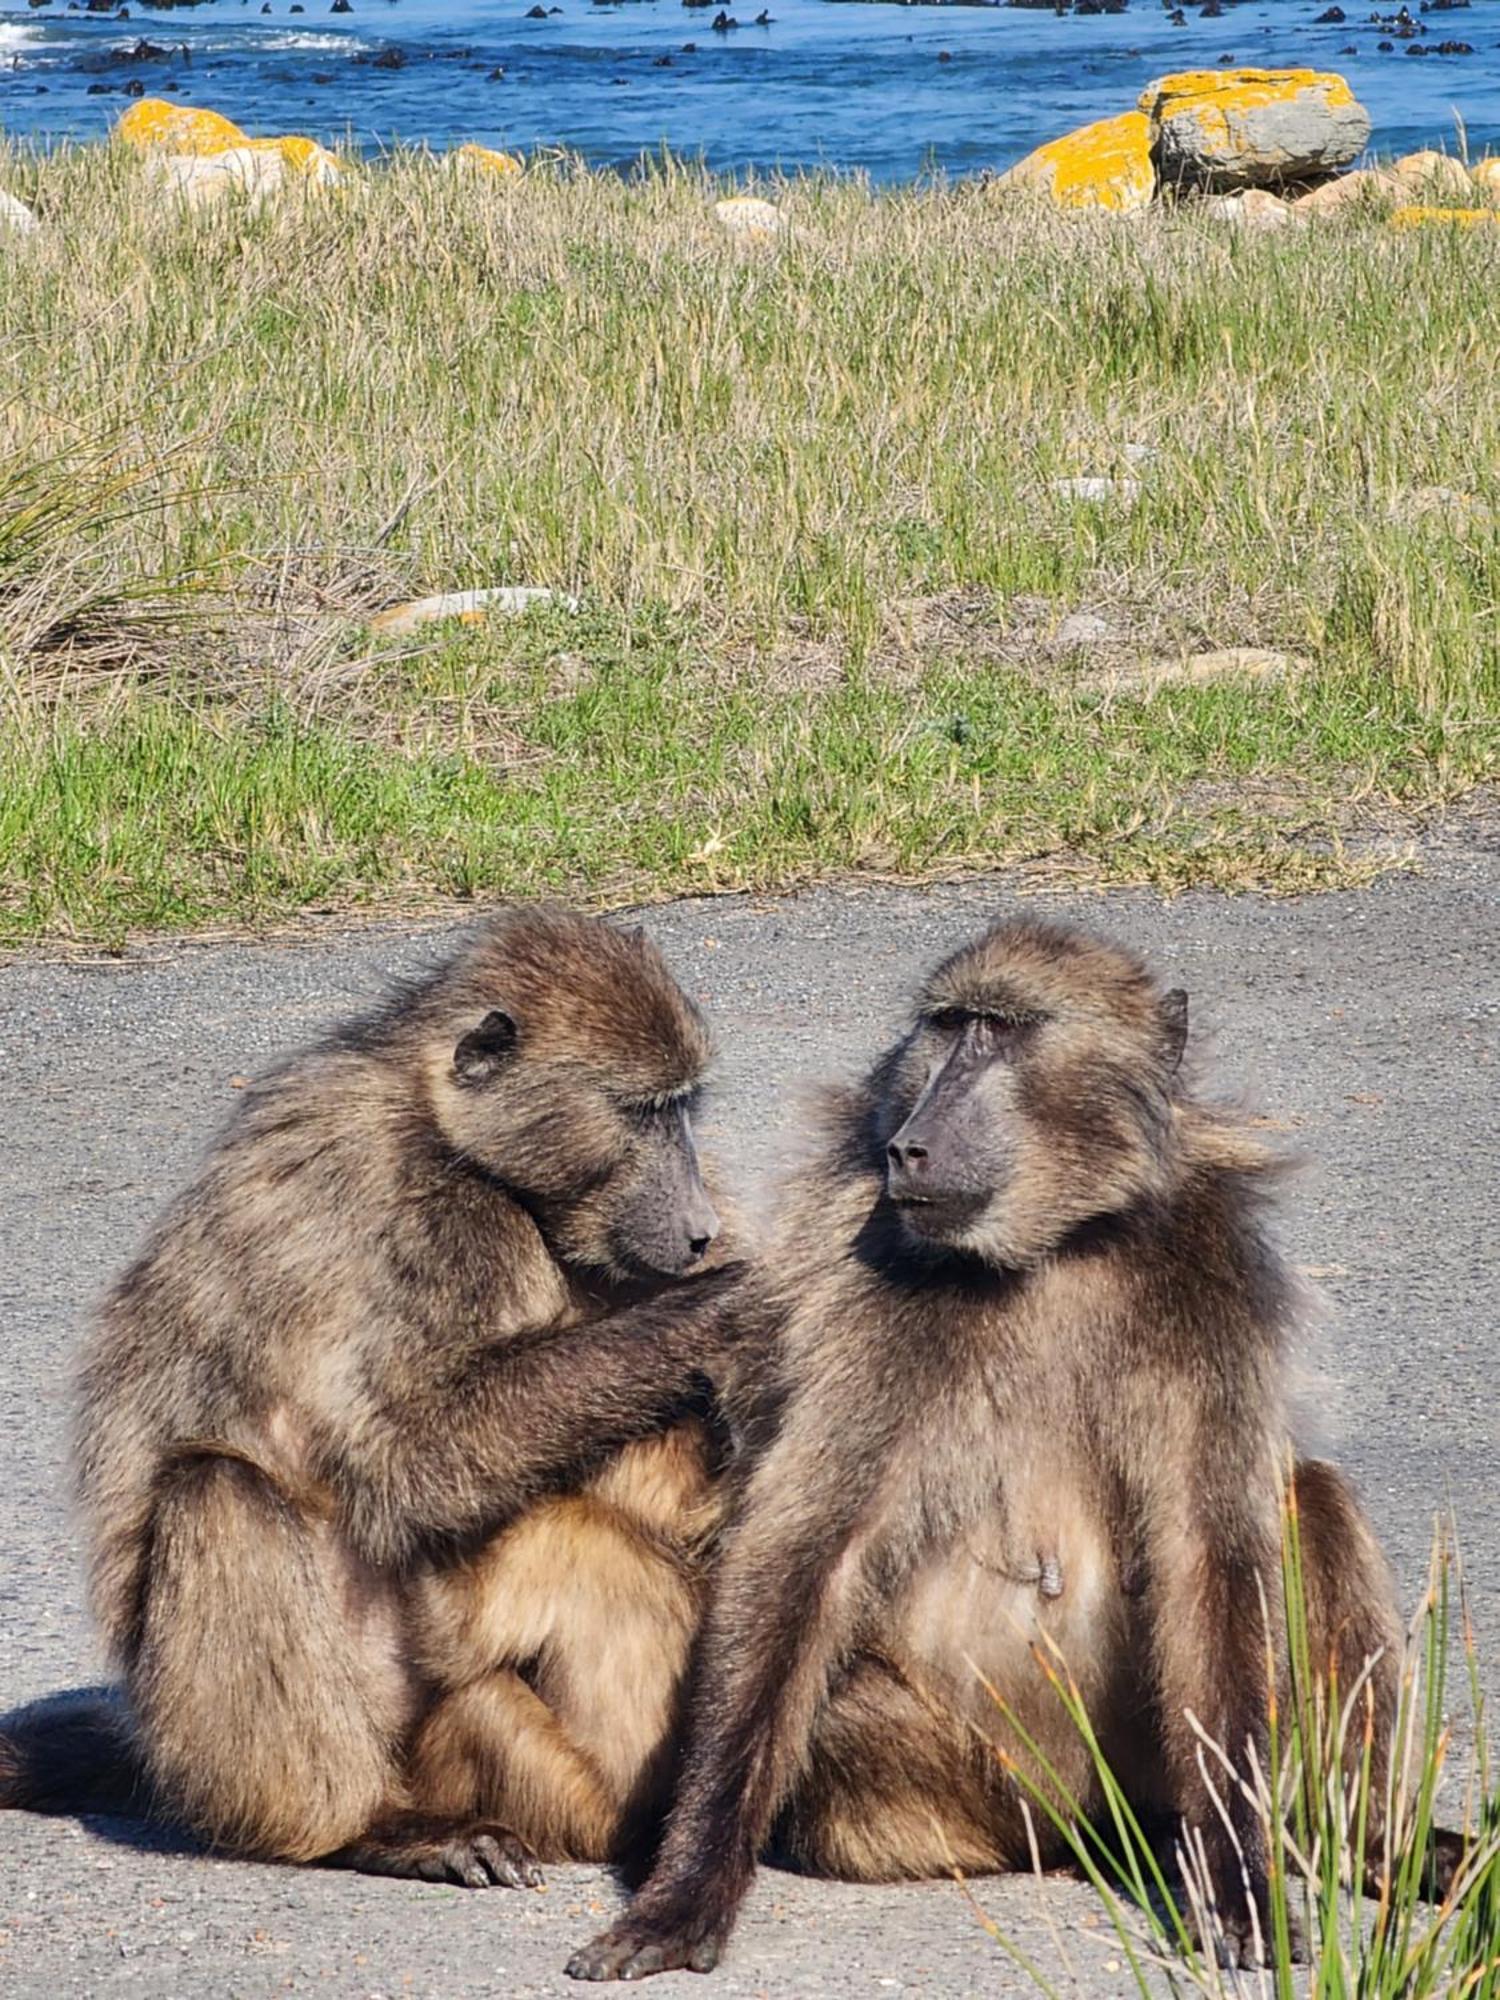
1370, 1930
804, 493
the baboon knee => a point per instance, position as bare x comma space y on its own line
256, 1713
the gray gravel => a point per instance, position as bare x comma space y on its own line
1367, 1022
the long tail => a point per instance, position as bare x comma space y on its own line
73, 1753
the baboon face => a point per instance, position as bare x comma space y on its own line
574, 1080
1033, 1094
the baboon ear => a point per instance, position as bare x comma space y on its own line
1173, 1011
484, 1050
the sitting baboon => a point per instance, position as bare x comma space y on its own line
1028, 1394
395, 1445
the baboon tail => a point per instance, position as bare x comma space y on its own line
73, 1753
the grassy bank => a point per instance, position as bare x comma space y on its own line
805, 492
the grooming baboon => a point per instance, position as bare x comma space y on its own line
1029, 1393
393, 1443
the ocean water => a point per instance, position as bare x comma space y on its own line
892, 90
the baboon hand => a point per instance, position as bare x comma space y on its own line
637, 1946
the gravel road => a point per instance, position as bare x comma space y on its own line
1367, 1024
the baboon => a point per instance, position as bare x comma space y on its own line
1028, 1392
396, 1445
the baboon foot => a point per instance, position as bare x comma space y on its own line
476, 1854
1445, 1855
1241, 1943
638, 1946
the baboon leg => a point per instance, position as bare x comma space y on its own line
262, 1712
1353, 1622
495, 1748
894, 1789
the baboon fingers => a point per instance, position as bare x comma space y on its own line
637, 1949
474, 1855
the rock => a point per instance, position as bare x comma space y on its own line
1106, 165
155, 125
1366, 187
1486, 177
1416, 217
747, 216
1434, 176
1256, 208
1092, 487
1460, 513
1225, 129
304, 157
203, 180
467, 605
484, 160
1197, 669
1083, 628
15, 216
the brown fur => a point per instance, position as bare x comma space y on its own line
1027, 1409
394, 1445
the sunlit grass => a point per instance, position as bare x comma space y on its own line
805, 493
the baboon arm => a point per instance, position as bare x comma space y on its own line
783, 1611
462, 1449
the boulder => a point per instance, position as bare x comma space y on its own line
1365, 188
483, 160
1106, 165
153, 125
1486, 177
746, 215
1256, 208
1222, 129
468, 606
304, 157
203, 180
1434, 176
16, 216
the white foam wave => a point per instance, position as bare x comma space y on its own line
15, 34
333, 45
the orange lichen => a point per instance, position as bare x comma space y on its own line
1213, 96
1105, 165
486, 160
1414, 217
153, 125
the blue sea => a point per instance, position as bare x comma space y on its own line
896, 91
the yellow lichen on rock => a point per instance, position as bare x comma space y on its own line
1222, 129
300, 156
153, 125
1105, 165
485, 160
1415, 216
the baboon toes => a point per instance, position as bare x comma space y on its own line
637, 1948
476, 1854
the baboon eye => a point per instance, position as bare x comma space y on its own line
950, 1020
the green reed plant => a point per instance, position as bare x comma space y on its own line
1350, 1917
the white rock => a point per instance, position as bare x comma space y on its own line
468, 605
1090, 487
1083, 628
746, 215
202, 180
16, 215
1256, 208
